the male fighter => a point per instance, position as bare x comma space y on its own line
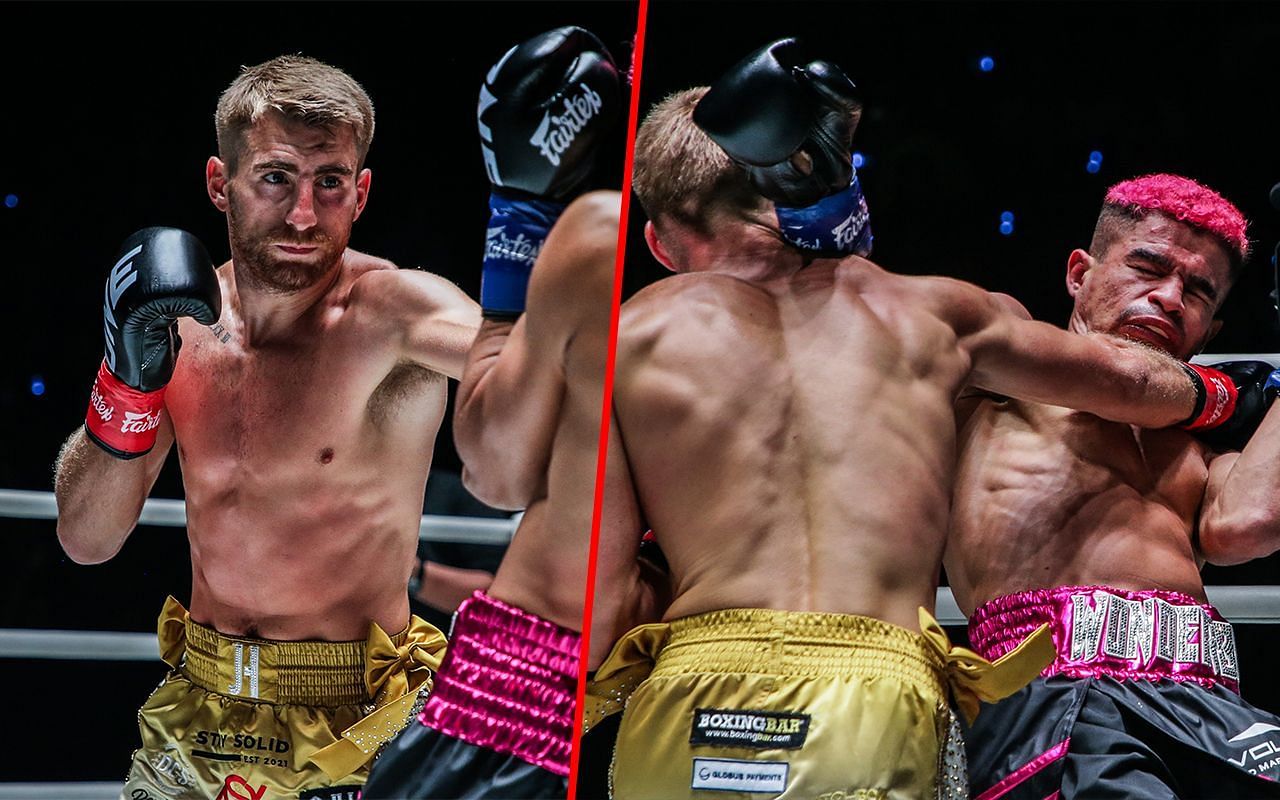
304, 403
788, 420
1100, 529
499, 721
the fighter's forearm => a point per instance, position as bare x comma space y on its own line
507, 406
1104, 375
99, 499
445, 587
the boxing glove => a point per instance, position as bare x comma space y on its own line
1256, 384
160, 274
788, 122
544, 109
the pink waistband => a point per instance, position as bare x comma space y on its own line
508, 683
1147, 635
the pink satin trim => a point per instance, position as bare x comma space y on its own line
508, 683
999, 625
1013, 779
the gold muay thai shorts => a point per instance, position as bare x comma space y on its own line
755, 703
250, 719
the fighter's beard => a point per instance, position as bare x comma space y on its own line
258, 261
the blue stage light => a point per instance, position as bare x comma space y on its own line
859, 160
1095, 162
10, 201
986, 63
1006, 216
37, 385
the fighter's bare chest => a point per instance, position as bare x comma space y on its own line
227, 397
1163, 464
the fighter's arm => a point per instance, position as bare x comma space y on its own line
100, 497
627, 591
434, 320
1240, 514
106, 469
1104, 375
508, 402
972, 396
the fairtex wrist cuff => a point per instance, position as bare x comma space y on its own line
516, 232
838, 224
121, 419
1215, 398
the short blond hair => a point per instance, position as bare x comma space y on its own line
680, 173
301, 88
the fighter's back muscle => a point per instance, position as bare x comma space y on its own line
1046, 496
802, 430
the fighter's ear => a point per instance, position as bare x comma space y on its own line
215, 181
656, 246
1078, 265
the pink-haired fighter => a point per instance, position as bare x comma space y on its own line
1100, 529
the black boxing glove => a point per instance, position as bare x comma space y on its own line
160, 274
788, 121
544, 108
1256, 385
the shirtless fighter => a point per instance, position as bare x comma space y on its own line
499, 721
304, 403
1100, 530
786, 409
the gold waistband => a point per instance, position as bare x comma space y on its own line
389, 673
800, 644
812, 644
310, 673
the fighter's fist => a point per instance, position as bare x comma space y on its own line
544, 108
788, 121
1256, 384
160, 274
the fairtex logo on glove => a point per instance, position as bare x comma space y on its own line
847, 232
497, 245
578, 111
136, 432
99, 404
139, 423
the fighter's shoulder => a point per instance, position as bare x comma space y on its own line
688, 297
382, 285
593, 214
581, 248
964, 305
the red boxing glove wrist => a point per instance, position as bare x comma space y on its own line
121, 419
1215, 398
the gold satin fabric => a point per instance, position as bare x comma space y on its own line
252, 718
876, 696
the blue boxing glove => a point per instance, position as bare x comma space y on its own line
544, 109
788, 122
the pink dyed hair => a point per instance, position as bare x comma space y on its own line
1188, 202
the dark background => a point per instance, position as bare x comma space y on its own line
1175, 87
105, 127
